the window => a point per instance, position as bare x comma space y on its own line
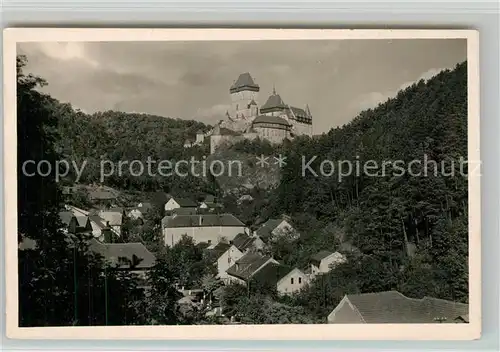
300, 280
291, 280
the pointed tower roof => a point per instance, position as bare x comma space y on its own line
244, 82
274, 101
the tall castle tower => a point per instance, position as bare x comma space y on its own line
244, 93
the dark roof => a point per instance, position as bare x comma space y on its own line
244, 82
209, 198
274, 101
116, 253
318, 257
264, 232
394, 307
243, 241
219, 249
246, 266
276, 120
185, 202
201, 220
271, 273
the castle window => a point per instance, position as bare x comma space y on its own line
291, 280
300, 280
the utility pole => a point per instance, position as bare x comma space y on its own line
106, 294
75, 285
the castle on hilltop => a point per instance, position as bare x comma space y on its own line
274, 121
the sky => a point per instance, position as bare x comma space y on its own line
191, 80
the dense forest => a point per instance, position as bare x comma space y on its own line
408, 233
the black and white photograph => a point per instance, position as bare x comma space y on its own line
329, 182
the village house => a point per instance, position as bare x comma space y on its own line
132, 257
225, 255
392, 307
177, 202
284, 279
323, 261
75, 224
247, 266
99, 229
273, 229
113, 219
102, 196
139, 211
246, 243
209, 228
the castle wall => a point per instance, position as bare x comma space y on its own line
273, 135
301, 128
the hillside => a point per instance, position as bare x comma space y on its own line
412, 229
118, 136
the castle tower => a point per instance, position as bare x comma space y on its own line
244, 93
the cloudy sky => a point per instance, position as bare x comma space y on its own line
191, 80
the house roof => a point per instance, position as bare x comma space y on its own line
271, 273
274, 101
318, 257
275, 120
209, 198
394, 307
242, 241
218, 250
82, 220
247, 266
185, 202
66, 217
264, 232
244, 82
114, 218
201, 220
98, 221
116, 253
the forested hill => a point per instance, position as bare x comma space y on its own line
119, 136
397, 219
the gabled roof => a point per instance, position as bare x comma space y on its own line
201, 220
394, 307
82, 221
248, 265
218, 250
264, 232
271, 273
275, 120
98, 221
243, 241
209, 198
185, 202
66, 217
119, 253
244, 82
318, 257
273, 102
